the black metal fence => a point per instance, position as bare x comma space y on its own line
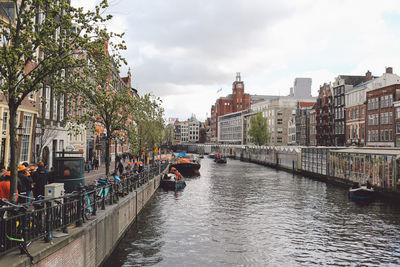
20, 224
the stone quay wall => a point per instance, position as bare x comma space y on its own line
92, 243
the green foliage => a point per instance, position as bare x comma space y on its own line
259, 129
149, 124
39, 53
168, 135
98, 91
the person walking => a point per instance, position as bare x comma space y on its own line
120, 168
5, 186
25, 186
96, 163
41, 178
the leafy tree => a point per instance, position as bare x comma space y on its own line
146, 132
38, 43
258, 129
99, 92
168, 135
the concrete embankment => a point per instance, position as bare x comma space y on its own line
91, 244
315, 164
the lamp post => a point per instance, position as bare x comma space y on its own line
20, 130
38, 149
20, 133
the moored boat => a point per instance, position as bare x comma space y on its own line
168, 182
363, 192
187, 165
220, 158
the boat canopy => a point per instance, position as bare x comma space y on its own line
181, 154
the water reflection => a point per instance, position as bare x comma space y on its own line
246, 214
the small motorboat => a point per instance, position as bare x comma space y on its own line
211, 156
220, 158
363, 192
168, 182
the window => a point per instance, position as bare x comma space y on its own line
54, 108
279, 139
279, 121
280, 130
61, 145
47, 103
5, 122
62, 108
26, 124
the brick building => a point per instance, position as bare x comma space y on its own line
324, 116
396, 115
235, 102
313, 126
380, 123
355, 107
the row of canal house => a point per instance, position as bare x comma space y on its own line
43, 130
353, 110
357, 111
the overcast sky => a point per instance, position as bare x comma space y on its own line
185, 50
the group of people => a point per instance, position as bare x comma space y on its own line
136, 166
92, 164
31, 179
178, 175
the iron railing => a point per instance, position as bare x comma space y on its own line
39, 219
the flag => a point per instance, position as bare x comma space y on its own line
219, 90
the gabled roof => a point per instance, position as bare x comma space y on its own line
352, 79
361, 85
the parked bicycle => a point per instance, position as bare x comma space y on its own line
13, 213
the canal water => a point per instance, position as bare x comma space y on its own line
243, 214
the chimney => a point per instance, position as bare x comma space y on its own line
389, 70
368, 76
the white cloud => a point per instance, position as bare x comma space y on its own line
185, 50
